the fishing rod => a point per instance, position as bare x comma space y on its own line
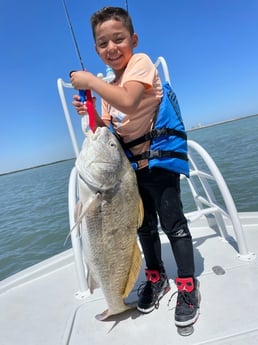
126, 5
85, 95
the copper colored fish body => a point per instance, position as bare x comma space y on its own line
110, 213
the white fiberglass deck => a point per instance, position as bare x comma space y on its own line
38, 306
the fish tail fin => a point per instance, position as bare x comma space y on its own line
134, 270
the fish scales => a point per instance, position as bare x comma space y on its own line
112, 212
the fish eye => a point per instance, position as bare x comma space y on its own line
112, 143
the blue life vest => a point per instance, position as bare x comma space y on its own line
168, 139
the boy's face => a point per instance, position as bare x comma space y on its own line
114, 44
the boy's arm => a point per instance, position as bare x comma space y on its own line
125, 98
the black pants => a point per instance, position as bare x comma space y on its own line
160, 192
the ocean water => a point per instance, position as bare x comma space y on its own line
34, 216
34, 208
234, 146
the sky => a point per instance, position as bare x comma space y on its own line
210, 47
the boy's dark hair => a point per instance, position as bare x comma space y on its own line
115, 13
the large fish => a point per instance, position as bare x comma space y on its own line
110, 211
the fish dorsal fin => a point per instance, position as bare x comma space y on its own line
134, 270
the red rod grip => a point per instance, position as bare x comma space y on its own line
91, 110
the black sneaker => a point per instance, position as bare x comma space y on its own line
188, 301
151, 291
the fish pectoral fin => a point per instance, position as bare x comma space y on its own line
134, 270
77, 211
81, 209
76, 215
140, 213
93, 204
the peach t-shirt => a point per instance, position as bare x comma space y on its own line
133, 125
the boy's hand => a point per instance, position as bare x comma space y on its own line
80, 79
80, 106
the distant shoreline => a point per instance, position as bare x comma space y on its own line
219, 122
187, 130
36, 166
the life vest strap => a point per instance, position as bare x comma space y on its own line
158, 154
154, 134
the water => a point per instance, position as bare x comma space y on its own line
34, 216
34, 210
233, 146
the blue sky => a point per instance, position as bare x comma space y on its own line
210, 47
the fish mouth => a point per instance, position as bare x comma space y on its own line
100, 161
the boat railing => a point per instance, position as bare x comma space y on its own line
204, 174
205, 199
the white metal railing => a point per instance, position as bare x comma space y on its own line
206, 204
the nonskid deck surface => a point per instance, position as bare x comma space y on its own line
223, 320
44, 310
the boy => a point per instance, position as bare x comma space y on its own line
130, 103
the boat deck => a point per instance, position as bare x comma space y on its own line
38, 305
